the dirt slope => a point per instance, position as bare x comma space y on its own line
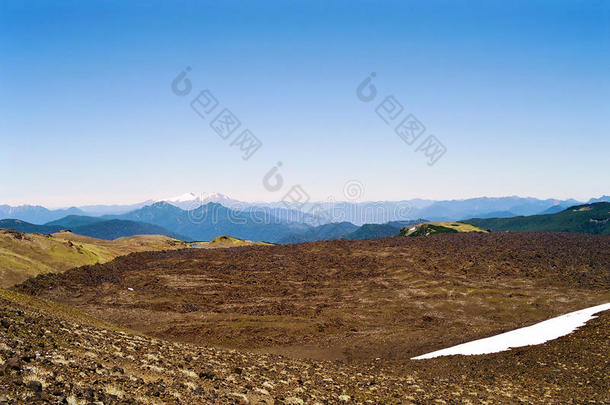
352, 300
53, 354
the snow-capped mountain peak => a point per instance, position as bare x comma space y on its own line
182, 198
190, 200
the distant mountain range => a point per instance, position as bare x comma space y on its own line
206, 223
347, 230
587, 218
212, 219
374, 231
358, 213
604, 198
189, 201
485, 207
276, 223
118, 228
36, 214
323, 232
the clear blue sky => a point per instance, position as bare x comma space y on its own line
518, 92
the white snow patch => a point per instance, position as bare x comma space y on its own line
182, 198
189, 201
530, 335
202, 197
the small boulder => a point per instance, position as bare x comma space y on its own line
208, 375
35, 386
13, 363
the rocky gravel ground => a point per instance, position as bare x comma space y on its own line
356, 301
53, 354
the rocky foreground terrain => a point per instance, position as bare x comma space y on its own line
391, 298
254, 324
54, 354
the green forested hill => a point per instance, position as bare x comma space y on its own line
588, 218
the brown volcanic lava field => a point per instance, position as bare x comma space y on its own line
352, 300
53, 354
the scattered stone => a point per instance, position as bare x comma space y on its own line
83, 368
208, 375
35, 386
28, 357
243, 399
13, 363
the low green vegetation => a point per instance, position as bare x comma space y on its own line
24, 255
225, 241
588, 218
430, 228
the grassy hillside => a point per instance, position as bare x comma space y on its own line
26, 255
588, 218
225, 241
430, 228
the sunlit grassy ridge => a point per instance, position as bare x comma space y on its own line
27, 255
429, 228
226, 241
